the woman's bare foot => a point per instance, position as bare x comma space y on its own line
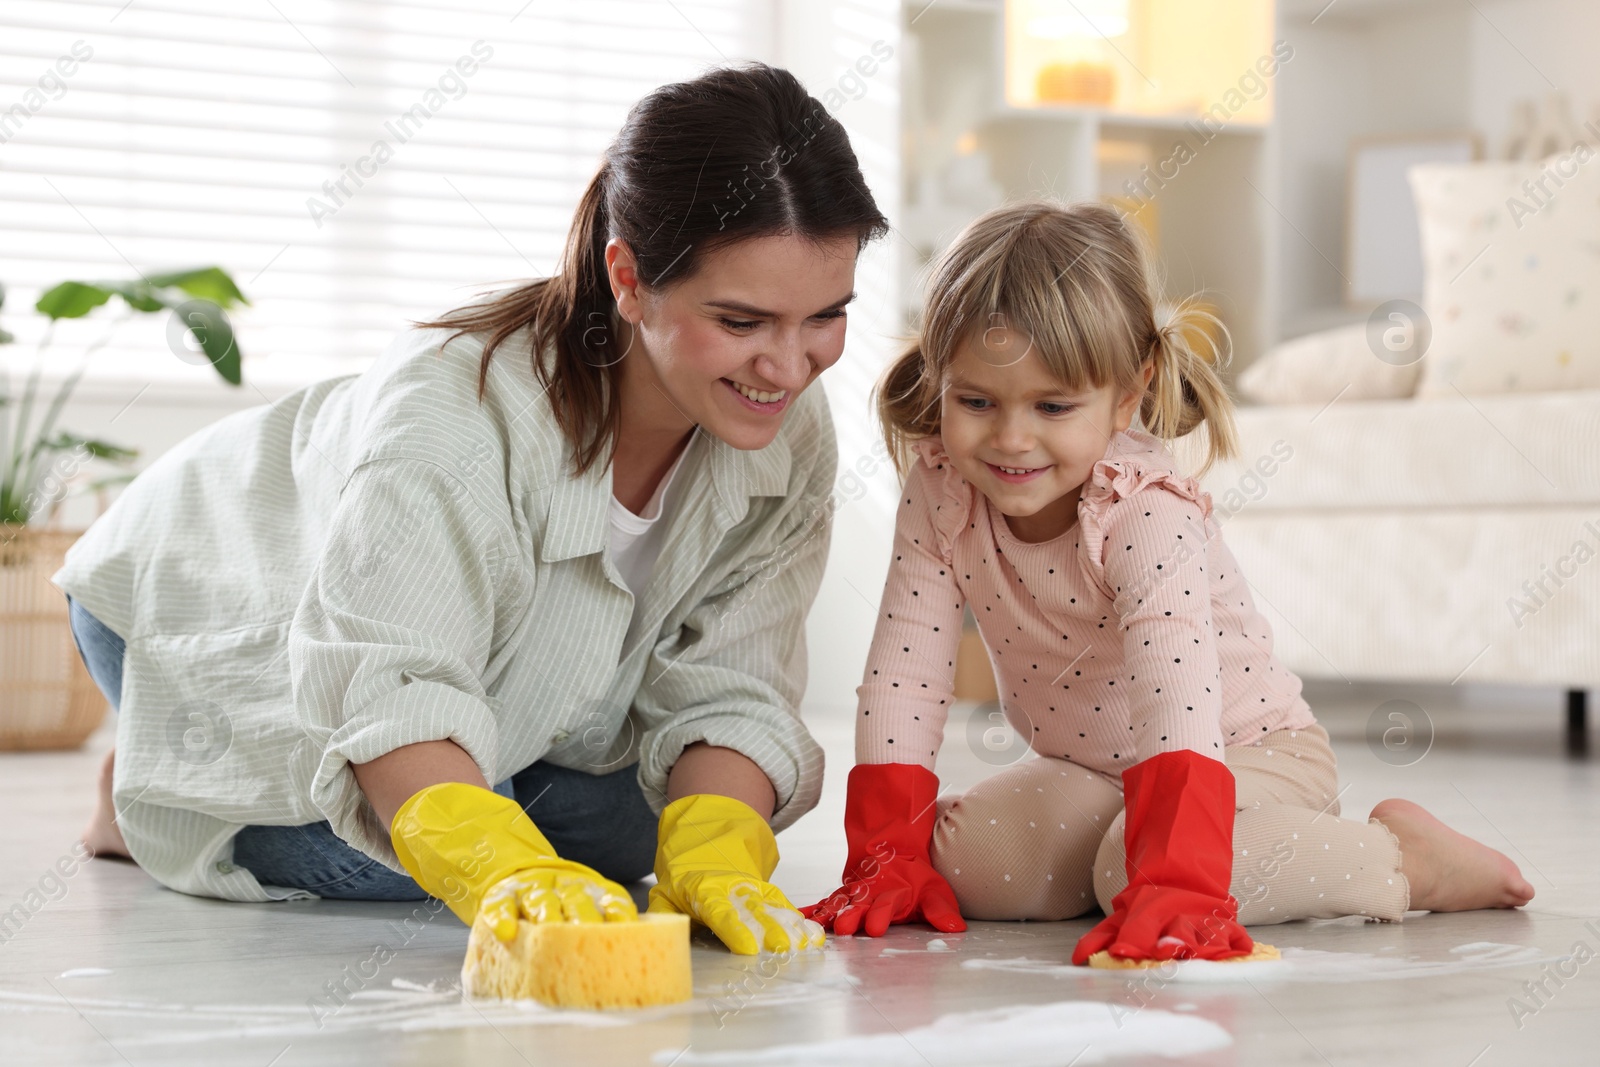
1449, 871
101, 835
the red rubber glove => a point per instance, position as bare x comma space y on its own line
1179, 835
888, 877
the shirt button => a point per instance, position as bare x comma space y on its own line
224, 867
560, 737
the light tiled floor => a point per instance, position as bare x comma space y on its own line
105, 967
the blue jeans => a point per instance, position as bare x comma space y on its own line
600, 820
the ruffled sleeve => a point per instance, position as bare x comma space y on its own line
949, 495
1118, 478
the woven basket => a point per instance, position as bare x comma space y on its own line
47, 698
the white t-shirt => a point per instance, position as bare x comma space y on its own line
636, 539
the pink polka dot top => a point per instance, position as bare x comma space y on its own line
1130, 634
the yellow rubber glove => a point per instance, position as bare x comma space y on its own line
714, 855
475, 849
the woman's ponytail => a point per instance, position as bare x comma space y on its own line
569, 315
586, 295
578, 317
1186, 391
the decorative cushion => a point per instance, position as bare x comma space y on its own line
1314, 368
1511, 258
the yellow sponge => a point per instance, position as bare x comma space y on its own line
1107, 961
583, 965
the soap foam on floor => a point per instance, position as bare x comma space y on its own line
778, 993
1299, 964
405, 1006
1194, 971
418, 987
1039, 1035
438, 1005
1362, 967
365, 1011
938, 944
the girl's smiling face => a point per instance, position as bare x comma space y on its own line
1020, 436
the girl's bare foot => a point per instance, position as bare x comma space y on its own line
1449, 871
101, 835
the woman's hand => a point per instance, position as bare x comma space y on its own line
713, 858
480, 853
559, 891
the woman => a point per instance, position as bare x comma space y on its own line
331, 623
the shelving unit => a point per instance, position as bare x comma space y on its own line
1202, 189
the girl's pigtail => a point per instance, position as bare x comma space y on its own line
1186, 391
908, 404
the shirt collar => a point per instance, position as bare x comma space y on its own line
578, 516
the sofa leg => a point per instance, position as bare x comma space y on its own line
1577, 722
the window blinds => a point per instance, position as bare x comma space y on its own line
353, 164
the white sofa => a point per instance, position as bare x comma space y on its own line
1425, 540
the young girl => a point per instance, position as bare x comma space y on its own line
1182, 783
510, 633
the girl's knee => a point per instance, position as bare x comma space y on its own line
1111, 864
1006, 862
964, 832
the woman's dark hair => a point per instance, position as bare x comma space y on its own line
736, 153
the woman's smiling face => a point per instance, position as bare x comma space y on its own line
730, 347
1020, 436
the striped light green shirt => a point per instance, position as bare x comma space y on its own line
380, 559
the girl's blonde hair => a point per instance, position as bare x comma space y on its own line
1077, 281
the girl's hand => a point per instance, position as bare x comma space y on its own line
901, 889
1179, 839
1164, 923
889, 877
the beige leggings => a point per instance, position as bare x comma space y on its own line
1043, 840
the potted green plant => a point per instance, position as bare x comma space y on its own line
47, 699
